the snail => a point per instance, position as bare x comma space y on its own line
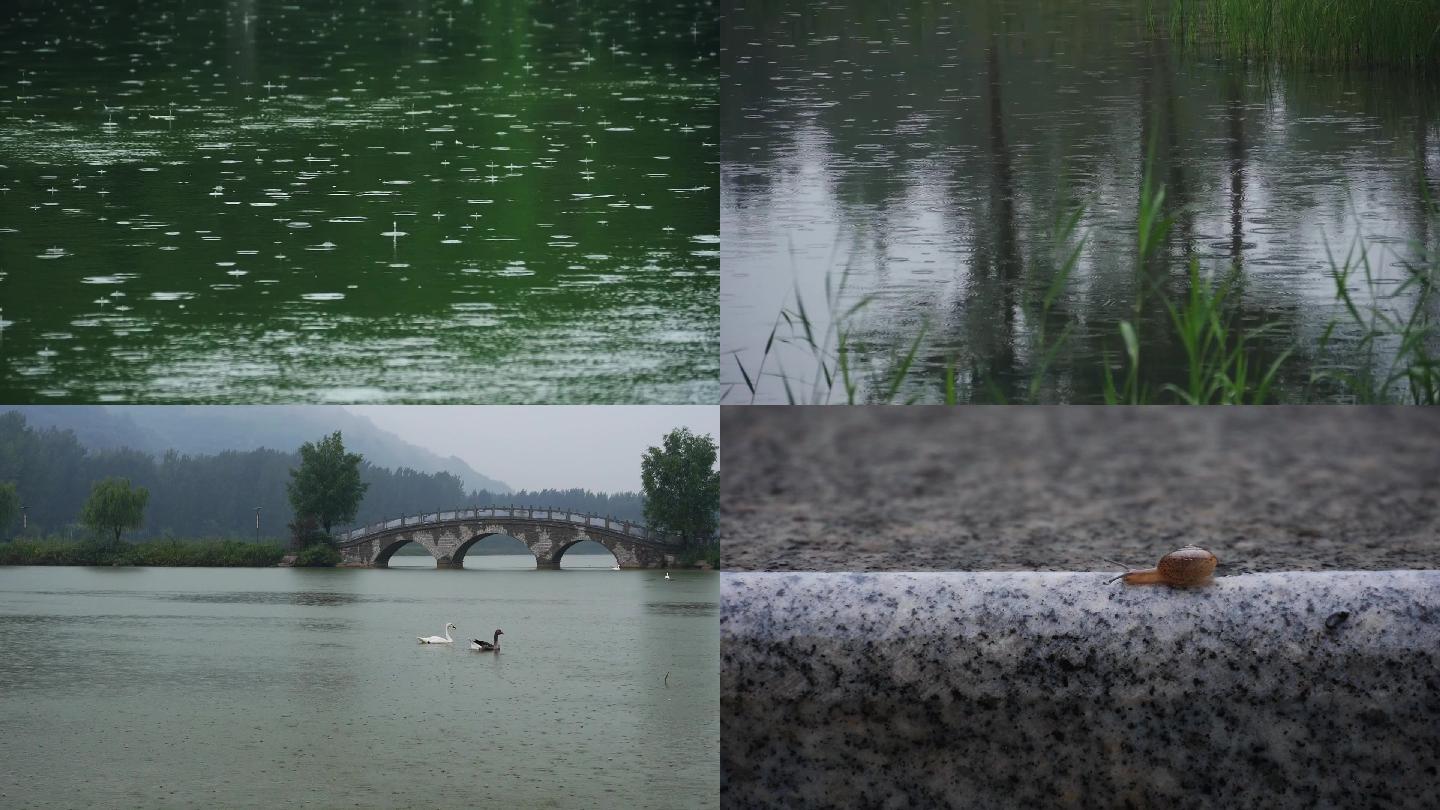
1181, 568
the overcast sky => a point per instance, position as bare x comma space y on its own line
536, 446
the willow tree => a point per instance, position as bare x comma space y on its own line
682, 486
115, 506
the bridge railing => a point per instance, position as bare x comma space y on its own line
625, 527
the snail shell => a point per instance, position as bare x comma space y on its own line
1184, 567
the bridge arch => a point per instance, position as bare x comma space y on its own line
382, 557
457, 559
568, 558
561, 550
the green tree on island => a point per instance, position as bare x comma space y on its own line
115, 506
327, 483
682, 486
9, 504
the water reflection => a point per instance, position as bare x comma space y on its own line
924, 153
421, 200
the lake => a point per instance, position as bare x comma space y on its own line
914, 158
376, 201
167, 687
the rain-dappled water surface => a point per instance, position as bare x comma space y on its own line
284, 688
386, 200
924, 151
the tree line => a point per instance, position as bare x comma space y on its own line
214, 496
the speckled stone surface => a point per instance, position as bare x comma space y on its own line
983, 690
1058, 489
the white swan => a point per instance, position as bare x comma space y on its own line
485, 646
667, 574
614, 568
445, 639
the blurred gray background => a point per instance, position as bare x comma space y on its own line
1060, 488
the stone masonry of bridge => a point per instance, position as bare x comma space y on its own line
546, 533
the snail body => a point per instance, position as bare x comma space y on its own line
1182, 568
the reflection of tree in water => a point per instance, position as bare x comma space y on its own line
1235, 113
965, 99
1161, 276
989, 299
1162, 279
1246, 311
1427, 206
1006, 264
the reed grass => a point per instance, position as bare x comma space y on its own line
830, 350
1046, 347
1383, 347
1218, 367
1396, 358
1354, 33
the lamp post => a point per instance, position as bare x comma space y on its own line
257, 524
24, 519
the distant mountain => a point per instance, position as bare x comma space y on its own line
211, 429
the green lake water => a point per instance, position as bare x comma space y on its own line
158, 688
398, 200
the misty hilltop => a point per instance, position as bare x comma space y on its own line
212, 429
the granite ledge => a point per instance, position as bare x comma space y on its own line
1061, 689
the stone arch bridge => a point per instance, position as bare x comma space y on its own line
548, 533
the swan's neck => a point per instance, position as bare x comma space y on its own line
447, 633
